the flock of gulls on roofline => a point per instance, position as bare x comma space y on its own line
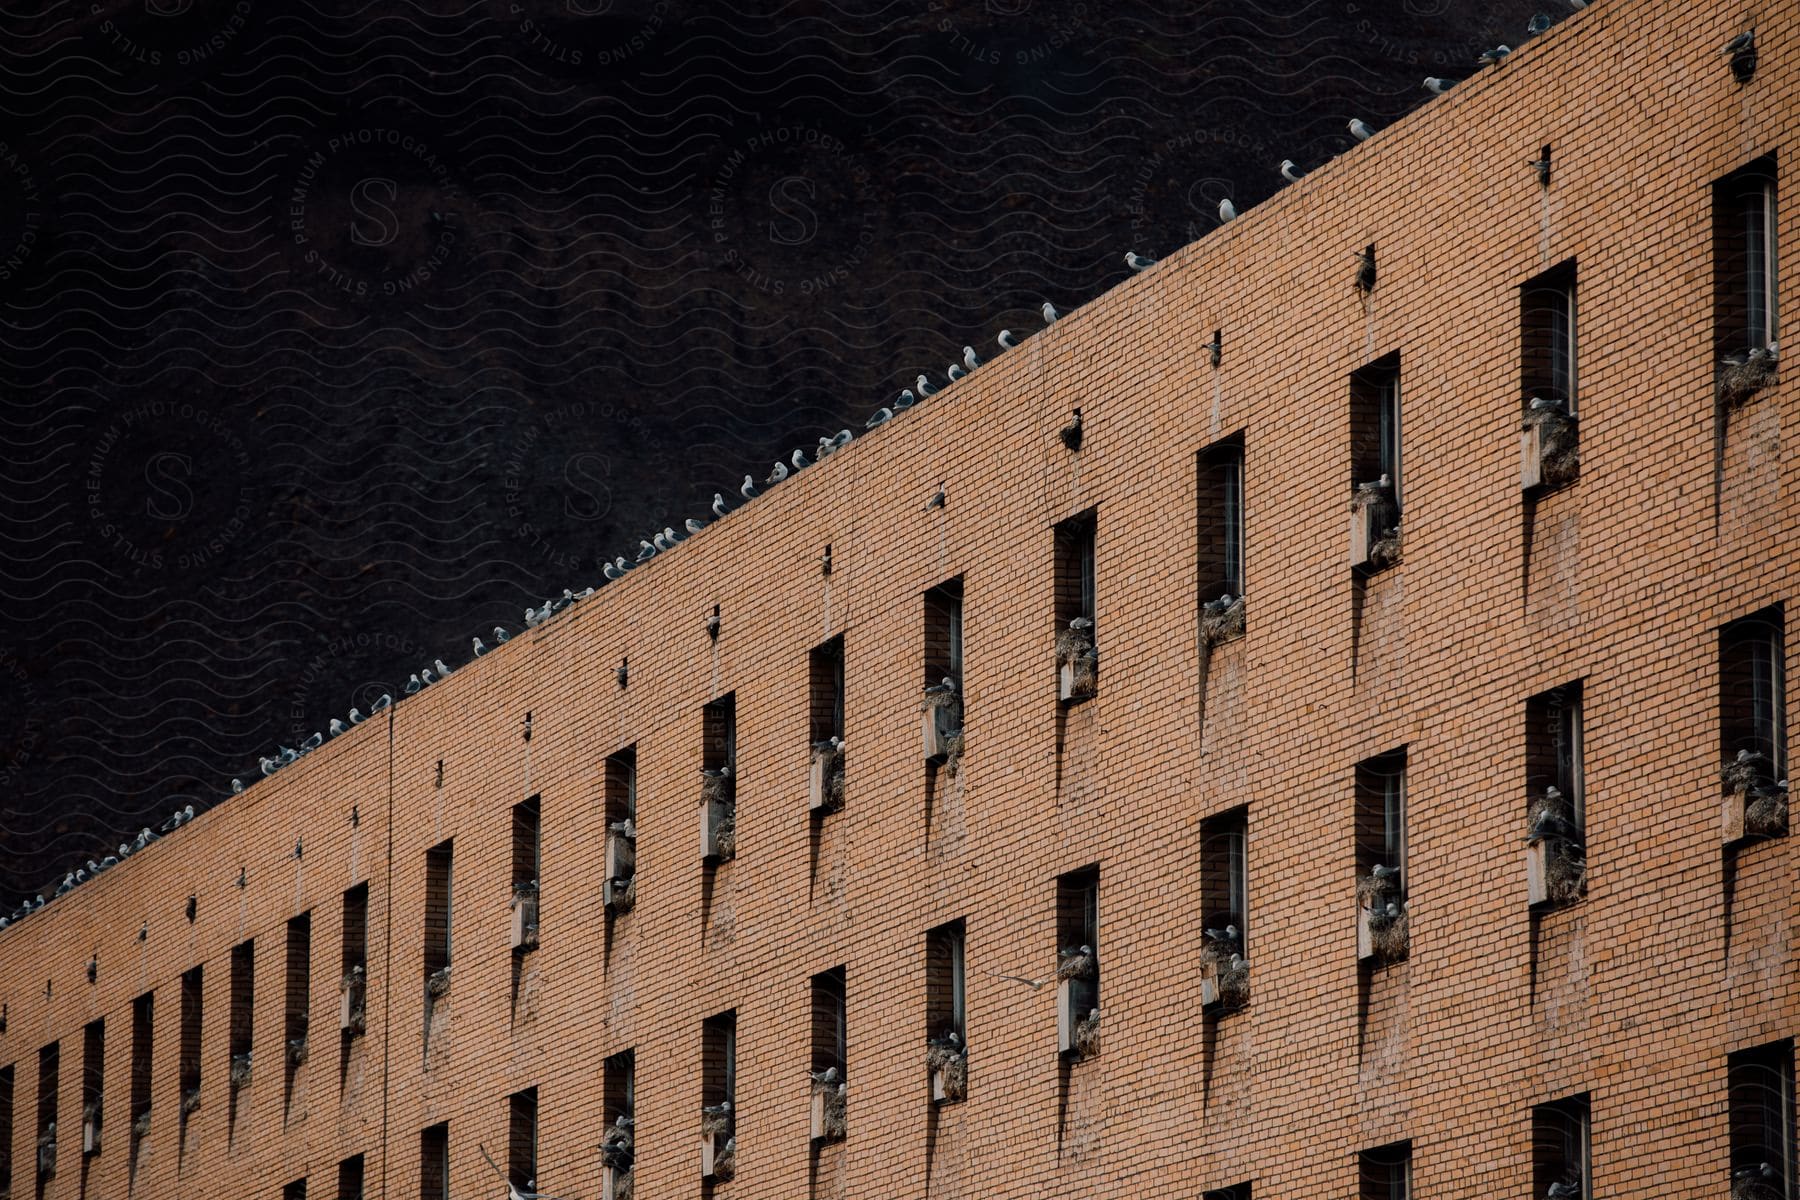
666, 539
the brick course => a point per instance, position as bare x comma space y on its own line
1678, 524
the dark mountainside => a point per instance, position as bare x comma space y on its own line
335, 333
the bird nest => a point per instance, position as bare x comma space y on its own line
1559, 445
833, 798
190, 1100
141, 1126
953, 1065
725, 836
1745, 772
438, 982
717, 789
1074, 646
937, 699
1076, 965
1232, 973
1386, 550
1565, 873
296, 1051
1740, 380
1087, 1036
1387, 934
1750, 1186
616, 1152
953, 752
524, 889
715, 1124
1222, 620
622, 1187
240, 1070
1766, 812
622, 897
359, 1016
725, 1165
836, 1103
1373, 889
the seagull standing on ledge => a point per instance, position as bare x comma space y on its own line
1049, 311
1227, 211
1361, 132
1288, 172
1006, 339
1137, 262
1436, 86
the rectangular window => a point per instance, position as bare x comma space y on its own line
825, 762
93, 1080
825, 676
1744, 260
296, 998
356, 930
1752, 717
191, 997
1224, 882
143, 1011
1239, 1191
6, 1130
243, 1010
718, 1070
1547, 338
49, 1079
944, 633
1078, 963
1076, 629
521, 1139
1559, 1148
619, 1085
439, 867
828, 1033
350, 1179
434, 1162
944, 990
526, 906
1375, 427
1385, 1173
620, 787
619, 798
1380, 824
1553, 750
1220, 498
294, 1191
718, 764
1760, 1086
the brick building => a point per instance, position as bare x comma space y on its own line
1589, 597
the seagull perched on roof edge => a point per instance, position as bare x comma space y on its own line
1006, 339
1227, 211
1360, 131
1288, 172
1138, 262
1496, 55
1438, 87
748, 491
925, 386
1049, 311
718, 505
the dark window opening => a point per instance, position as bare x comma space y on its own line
944, 633
719, 749
356, 929
828, 1033
1220, 492
619, 1085
439, 872
1547, 330
527, 879
1752, 709
1744, 259
242, 1013
434, 1162
1385, 1173
945, 1011
718, 1063
192, 995
1077, 629
1381, 816
1375, 427
521, 1140
93, 1080
1760, 1091
143, 1011
6, 1130
350, 1179
1238, 1191
294, 1191
48, 1131
296, 1000
1078, 939
1224, 884
825, 676
620, 786
1559, 1149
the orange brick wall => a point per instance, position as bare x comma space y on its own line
1673, 529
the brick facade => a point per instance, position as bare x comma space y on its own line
1677, 956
